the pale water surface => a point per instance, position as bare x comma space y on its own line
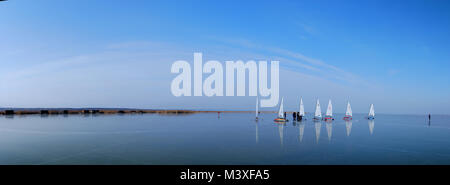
235, 138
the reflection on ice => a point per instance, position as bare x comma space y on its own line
301, 127
371, 125
256, 125
317, 124
348, 126
281, 131
153, 138
329, 130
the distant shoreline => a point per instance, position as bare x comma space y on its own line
63, 111
56, 111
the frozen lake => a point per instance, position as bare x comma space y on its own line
235, 138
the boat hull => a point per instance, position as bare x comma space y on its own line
348, 118
370, 118
317, 118
280, 120
328, 118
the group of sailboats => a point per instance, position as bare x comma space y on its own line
281, 117
329, 113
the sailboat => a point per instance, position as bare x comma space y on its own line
329, 114
281, 117
318, 113
348, 113
257, 106
371, 112
301, 113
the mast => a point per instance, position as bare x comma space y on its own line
257, 106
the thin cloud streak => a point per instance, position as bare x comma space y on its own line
315, 65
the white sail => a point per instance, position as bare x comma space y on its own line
318, 113
257, 105
371, 111
349, 110
281, 111
302, 109
329, 109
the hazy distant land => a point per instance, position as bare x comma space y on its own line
56, 111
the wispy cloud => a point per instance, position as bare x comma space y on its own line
297, 59
45, 67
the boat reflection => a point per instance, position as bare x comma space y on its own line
257, 133
281, 131
301, 127
318, 125
329, 130
348, 126
317, 128
371, 125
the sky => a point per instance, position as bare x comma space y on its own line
102, 53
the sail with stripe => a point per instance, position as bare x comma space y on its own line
329, 110
348, 113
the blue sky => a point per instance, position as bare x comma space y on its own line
118, 54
